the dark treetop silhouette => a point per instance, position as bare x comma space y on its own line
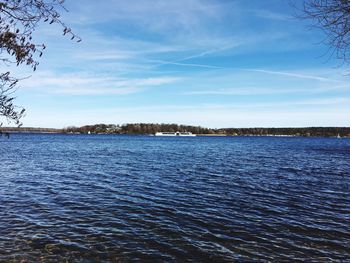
333, 17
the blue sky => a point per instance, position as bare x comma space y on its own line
214, 63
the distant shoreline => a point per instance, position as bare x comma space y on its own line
29, 130
149, 129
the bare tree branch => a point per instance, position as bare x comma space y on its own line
333, 17
18, 21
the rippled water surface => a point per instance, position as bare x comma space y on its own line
76, 198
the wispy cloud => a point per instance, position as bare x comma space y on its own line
295, 75
247, 91
183, 13
228, 107
162, 63
112, 55
270, 15
257, 91
83, 84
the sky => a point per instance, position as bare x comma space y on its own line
213, 63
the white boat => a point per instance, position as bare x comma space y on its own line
187, 134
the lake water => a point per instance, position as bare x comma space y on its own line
93, 198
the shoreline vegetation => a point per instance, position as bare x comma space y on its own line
152, 128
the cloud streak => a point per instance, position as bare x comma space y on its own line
294, 75
82, 84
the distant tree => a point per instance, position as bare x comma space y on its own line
333, 17
18, 20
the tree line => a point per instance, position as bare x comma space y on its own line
138, 128
152, 128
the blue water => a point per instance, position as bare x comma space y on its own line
108, 198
